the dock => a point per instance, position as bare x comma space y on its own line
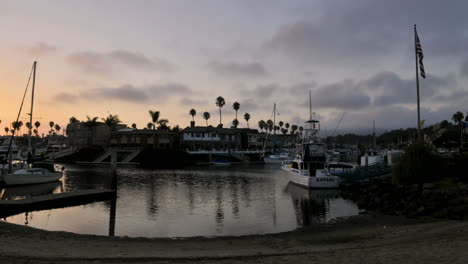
52, 201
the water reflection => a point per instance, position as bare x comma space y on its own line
198, 201
318, 206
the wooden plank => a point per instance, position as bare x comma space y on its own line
52, 201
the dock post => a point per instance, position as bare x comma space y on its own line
114, 161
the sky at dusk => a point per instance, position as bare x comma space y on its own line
98, 58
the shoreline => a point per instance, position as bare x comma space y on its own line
371, 233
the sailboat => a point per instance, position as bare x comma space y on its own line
34, 174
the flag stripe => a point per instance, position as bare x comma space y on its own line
420, 56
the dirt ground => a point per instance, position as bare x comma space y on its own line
361, 239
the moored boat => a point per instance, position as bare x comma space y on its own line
308, 168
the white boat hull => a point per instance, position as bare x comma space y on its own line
321, 181
21, 179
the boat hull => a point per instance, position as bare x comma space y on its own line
21, 179
316, 182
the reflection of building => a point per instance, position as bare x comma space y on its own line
211, 138
142, 138
81, 134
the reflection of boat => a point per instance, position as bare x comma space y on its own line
35, 174
309, 166
310, 205
220, 162
26, 191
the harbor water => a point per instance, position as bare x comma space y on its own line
201, 201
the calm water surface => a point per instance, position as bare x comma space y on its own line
201, 201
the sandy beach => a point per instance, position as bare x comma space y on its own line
366, 238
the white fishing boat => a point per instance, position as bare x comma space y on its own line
30, 175
308, 168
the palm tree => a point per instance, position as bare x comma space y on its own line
91, 123
193, 112
301, 129
260, 125
51, 124
247, 118
220, 103
206, 116
36, 133
154, 117
293, 129
235, 123
163, 124
281, 124
73, 120
6, 130
458, 117
57, 128
269, 125
111, 121
286, 125
150, 125
236, 107
134, 126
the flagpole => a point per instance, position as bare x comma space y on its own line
417, 82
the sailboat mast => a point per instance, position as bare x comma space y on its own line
32, 107
274, 119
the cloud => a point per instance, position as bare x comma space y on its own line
94, 62
65, 98
197, 102
136, 94
341, 95
41, 48
127, 93
233, 69
170, 89
264, 91
393, 89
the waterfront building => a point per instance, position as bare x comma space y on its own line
80, 134
220, 139
131, 138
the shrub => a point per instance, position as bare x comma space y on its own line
419, 164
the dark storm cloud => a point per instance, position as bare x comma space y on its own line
127, 93
41, 48
65, 98
93, 62
233, 69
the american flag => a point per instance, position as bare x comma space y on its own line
420, 56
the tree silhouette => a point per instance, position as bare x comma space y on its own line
220, 103
235, 123
73, 120
134, 126
193, 112
111, 121
247, 118
154, 117
206, 116
236, 107
51, 124
57, 128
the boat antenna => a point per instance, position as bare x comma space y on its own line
19, 113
